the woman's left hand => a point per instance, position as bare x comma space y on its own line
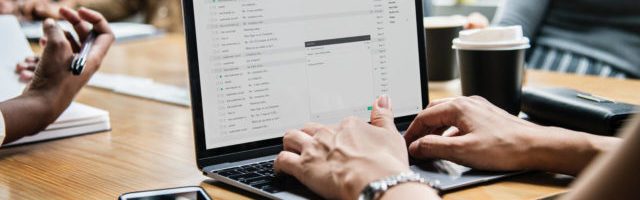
338, 162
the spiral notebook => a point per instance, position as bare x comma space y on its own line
78, 119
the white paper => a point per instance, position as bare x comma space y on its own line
13, 49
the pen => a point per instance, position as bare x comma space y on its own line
77, 65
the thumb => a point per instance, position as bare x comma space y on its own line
381, 114
55, 37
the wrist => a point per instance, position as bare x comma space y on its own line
564, 151
410, 191
49, 102
362, 178
392, 186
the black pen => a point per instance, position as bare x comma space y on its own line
77, 65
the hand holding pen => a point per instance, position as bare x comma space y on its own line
52, 87
61, 52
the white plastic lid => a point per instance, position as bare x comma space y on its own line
492, 38
444, 21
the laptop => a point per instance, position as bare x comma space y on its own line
260, 67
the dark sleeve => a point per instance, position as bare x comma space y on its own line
527, 13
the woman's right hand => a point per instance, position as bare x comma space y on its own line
473, 132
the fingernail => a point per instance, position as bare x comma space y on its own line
49, 22
383, 101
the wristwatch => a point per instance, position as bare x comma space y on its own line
375, 189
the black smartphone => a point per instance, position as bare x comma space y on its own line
180, 193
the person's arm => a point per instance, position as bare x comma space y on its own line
613, 175
410, 191
486, 137
569, 152
527, 13
53, 86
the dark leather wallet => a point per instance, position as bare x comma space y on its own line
575, 110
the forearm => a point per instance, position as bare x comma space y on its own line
569, 152
410, 191
613, 175
29, 114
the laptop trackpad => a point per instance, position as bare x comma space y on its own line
448, 175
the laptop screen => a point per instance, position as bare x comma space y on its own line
270, 65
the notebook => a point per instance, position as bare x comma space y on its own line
76, 120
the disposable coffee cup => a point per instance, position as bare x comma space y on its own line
441, 59
491, 64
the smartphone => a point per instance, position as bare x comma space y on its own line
180, 193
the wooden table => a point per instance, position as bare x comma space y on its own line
151, 144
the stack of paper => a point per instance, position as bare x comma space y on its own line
141, 87
77, 119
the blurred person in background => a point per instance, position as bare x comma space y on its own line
591, 37
164, 14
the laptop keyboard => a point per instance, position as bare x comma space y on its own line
257, 175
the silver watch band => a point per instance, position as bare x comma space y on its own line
375, 189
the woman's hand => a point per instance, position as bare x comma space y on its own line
473, 132
338, 162
53, 87
52, 75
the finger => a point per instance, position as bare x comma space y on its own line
288, 163
27, 9
43, 41
382, 115
55, 36
296, 141
103, 40
312, 128
28, 66
26, 76
74, 44
6, 7
81, 27
439, 101
32, 59
324, 136
100, 24
442, 115
435, 146
451, 131
40, 10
